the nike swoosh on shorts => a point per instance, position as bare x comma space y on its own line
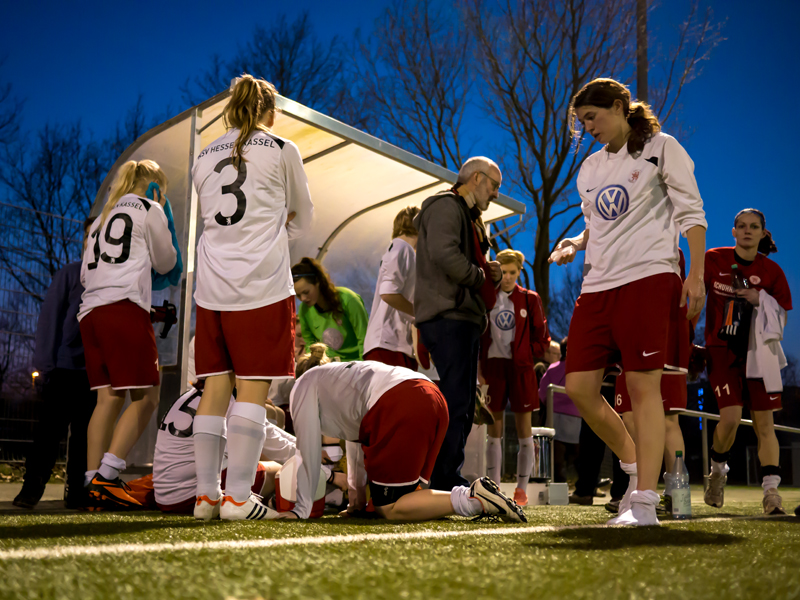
645, 354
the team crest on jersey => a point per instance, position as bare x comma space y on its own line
523, 313
505, 320
612, 202
755, 279
634, 176
333, 338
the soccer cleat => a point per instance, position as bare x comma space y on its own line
495, 502
251, 509
772, 503
520, 497
112, 493
206, 509
715, 490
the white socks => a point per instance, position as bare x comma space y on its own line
463, 505
719, 468
625, 503
246, 434
209, 434
524, 463
770, 482
494, 450
110, 466
87, 478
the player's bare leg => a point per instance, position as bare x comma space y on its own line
422, 505
217, 392
583, 388
134, 420
101, 425
725, 431
724, 436
648, 415
673, 440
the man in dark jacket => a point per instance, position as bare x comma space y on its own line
455, 285
63, 385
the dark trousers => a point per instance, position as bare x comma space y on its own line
454, 349
67, 404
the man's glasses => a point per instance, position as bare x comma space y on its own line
495, 184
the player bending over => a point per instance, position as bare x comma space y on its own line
394, 420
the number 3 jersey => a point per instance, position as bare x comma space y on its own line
119, 254
634, 207
243, 255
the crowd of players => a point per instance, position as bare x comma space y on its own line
440, 302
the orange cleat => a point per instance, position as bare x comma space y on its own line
520, 497
112, 494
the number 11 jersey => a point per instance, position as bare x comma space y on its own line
243, 255
119, 254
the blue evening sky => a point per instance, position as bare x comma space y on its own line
91, 63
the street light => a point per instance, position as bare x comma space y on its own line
34, 375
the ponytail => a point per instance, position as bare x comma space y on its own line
603, 92
251, 99
767, 245
131, 174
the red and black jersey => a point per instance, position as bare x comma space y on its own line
762, 274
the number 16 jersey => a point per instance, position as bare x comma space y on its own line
243, 255
119, 254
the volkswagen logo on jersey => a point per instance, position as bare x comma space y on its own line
612, 201
333, 338
505, 320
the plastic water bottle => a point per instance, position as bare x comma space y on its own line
681, 494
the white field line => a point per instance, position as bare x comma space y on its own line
118, 549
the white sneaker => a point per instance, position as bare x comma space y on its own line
495, 502
714, 494
625, 503
642, 511
206, 509
249, 510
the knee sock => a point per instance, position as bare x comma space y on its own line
494, 450
110, 466
246, 434
770, 477
524, 463
462, 503
630, 469
87, 478
209, 434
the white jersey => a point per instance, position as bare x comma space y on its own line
116, 265
243, 255
635, 208
503, 325
332, 400
174, 472
388, 327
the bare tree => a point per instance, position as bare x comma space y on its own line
293, 58
562, 301
533, 57
414, 74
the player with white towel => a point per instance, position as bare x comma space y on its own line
638, 193
254, 198
394, 421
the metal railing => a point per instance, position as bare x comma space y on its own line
703, 416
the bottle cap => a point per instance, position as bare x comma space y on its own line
678, 453
734, 266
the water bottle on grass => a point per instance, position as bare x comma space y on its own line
681, 494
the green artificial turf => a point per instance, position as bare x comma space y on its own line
736, 558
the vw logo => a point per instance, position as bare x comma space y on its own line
504, 320
612, 201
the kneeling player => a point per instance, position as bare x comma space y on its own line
397, 420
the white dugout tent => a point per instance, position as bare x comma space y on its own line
358, 184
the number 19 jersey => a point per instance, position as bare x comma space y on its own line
243, 255
120, 253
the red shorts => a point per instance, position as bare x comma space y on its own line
186, 507
393, 358
509, 384
402, 433
732, 388
673, 393
254, 344
640, 323
120, 347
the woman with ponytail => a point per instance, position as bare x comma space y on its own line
728, 349
254, 198
335, 316
638, 193
128, 241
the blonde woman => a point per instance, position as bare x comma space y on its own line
254, 198
130, 238
516, 335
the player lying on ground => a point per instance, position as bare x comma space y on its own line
394, 420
